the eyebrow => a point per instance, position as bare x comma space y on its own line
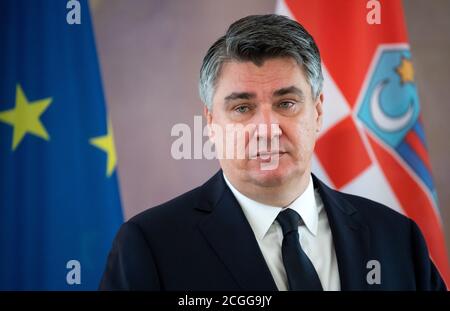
237, 95
280, 92
289, 90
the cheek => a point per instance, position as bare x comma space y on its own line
307, 139
302, 137
232, 140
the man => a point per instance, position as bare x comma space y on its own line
255, 226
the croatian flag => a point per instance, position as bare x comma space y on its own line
372, 143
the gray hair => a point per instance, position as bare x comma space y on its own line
257, 38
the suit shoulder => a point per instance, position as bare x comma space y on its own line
175, 208
376, 212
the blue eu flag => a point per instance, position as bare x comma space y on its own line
59, 197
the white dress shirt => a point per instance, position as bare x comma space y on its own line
315, 235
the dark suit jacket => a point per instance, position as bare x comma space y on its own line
201, 240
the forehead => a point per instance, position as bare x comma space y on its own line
273, 74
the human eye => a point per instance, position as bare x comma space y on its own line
286, 105
242, 109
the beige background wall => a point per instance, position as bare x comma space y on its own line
150, 53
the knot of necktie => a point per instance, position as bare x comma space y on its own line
289, 220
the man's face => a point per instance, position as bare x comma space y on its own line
278, 94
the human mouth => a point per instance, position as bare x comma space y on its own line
265, 155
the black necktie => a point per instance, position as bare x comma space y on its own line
300, 271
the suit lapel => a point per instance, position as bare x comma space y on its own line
350, 236
228, 232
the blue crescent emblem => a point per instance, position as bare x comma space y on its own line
384, 121
390, 105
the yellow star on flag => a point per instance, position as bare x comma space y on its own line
106, 143
406, 71
24, 117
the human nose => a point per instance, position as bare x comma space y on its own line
267, 124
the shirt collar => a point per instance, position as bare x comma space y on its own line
261, 216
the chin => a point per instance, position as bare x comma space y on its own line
273, 177
268, 179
